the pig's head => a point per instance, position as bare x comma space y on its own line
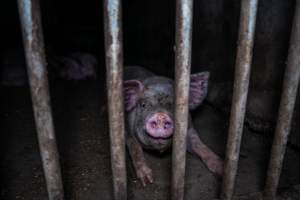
150, 107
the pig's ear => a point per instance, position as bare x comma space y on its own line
132, 91
198, 89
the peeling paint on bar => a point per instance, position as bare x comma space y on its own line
287, 103
240, 92
29, 12
184, 18
114, 76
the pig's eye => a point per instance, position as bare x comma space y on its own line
169, 105
146, 105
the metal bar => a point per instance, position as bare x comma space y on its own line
240, 92
114, 70
287, 103
30, 17
184, 19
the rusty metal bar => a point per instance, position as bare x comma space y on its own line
29, 11
114, 76
287, 103
184, 19
240, 92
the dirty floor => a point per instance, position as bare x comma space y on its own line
80, 118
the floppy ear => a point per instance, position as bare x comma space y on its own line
198, 89
132, 91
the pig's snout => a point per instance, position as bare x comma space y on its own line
159, 125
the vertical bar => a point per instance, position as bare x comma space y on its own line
114, 70
288, 98
29, 11
184, 19
240, 92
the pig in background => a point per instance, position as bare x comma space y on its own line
76, 66
149, 105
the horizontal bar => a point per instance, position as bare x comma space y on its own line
287, 103
114, 76
184, 19
30, 17
240, 93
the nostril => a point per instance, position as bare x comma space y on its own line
153, 124
167, 125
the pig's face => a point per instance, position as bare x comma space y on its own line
150, 106
154, 113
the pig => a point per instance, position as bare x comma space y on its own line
149, 107
76, 66
73, 67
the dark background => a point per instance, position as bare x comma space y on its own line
149, 30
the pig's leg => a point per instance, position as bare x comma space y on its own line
143, 172
212, 161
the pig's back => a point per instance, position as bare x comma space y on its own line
136, 73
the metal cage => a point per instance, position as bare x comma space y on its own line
36, 66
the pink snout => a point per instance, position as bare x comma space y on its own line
159, 125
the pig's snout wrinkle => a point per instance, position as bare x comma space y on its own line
159, 125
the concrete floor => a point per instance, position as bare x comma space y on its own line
81, 127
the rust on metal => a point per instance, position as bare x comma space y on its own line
29, 11
240, 92
114, 76
287, 103
184, 18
